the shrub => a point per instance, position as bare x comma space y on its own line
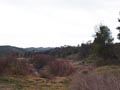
61, 68
39, 61
14, 66
4, 63
45, 73
19, 67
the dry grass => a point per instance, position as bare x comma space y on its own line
33, 83
102, 78
108, 69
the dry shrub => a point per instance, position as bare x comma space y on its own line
103, 81
45, 73
14, 66
4, 63
61, 68
39, 61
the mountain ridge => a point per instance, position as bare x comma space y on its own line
6, 50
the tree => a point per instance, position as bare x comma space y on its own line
118, 28
103, 42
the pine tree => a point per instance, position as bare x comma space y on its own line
103, 41
118, 28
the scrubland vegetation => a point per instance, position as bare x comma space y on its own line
89, 66
41, 72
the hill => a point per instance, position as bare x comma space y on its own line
7, 50
10, 50
39, 49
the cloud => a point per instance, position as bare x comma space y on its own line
54, 22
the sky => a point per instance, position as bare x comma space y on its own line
53, 23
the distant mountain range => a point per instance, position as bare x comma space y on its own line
39, 49
11, 50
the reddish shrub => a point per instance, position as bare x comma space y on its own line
14, 66
61, 67
4, 63
39, 61
19, 67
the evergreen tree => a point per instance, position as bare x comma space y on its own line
103, 42
118, 28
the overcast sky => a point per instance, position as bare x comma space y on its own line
36, 23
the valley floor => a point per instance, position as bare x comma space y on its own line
33, 83
86, 76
